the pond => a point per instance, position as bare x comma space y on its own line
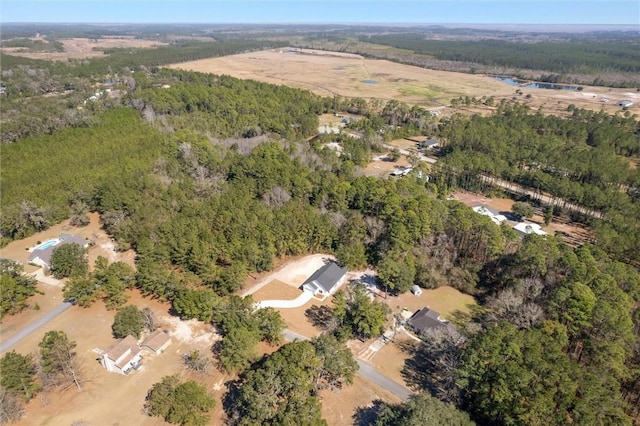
369, 81
534, 84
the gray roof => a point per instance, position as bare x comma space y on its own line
327, 276
45, 254
426, 319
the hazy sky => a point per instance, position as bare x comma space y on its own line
332, 11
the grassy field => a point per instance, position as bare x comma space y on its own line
335, 73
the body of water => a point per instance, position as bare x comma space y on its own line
47, 244
369, 81
525, 84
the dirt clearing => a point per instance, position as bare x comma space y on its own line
333, 73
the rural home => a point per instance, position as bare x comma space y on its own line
41, 255
123, 356
524, 228
156, 342
428, 144
326, 280
403, 171
495, 216
426, 319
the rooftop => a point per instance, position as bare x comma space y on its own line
327, 276
426, 318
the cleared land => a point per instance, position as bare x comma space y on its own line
335, 73
573, 233
78, 48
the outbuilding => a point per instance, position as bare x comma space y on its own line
416, 290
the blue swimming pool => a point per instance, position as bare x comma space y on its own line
47, 244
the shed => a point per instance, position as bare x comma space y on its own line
416, 290
156, 342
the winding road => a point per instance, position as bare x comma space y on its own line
43, 320
366, 371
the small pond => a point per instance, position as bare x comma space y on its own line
534, 84
369, 81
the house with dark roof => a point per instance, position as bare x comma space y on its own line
123, 356
41, 255
326, 280
427, 319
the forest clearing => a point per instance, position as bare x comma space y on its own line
334, 73
79, 48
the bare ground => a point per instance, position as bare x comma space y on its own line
334, 73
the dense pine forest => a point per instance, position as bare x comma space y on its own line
210, 178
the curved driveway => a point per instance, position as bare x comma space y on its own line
293, 303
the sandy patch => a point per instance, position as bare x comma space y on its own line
275, 290
380, 166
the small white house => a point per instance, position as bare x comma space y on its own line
495, 216
123, 356
524, 228
326, 280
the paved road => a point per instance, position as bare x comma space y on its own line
366, 371
374, 376
44, 319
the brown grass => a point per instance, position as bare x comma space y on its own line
78, 48
333, 73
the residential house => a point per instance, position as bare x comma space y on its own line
495, 216
524, 228
326, 280
156, 342
428, 144
427, 319
41, 255
123, 356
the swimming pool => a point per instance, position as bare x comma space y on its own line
47, 244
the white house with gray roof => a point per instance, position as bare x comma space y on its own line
326, 280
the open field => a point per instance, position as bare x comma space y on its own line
334, 73
78, 48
